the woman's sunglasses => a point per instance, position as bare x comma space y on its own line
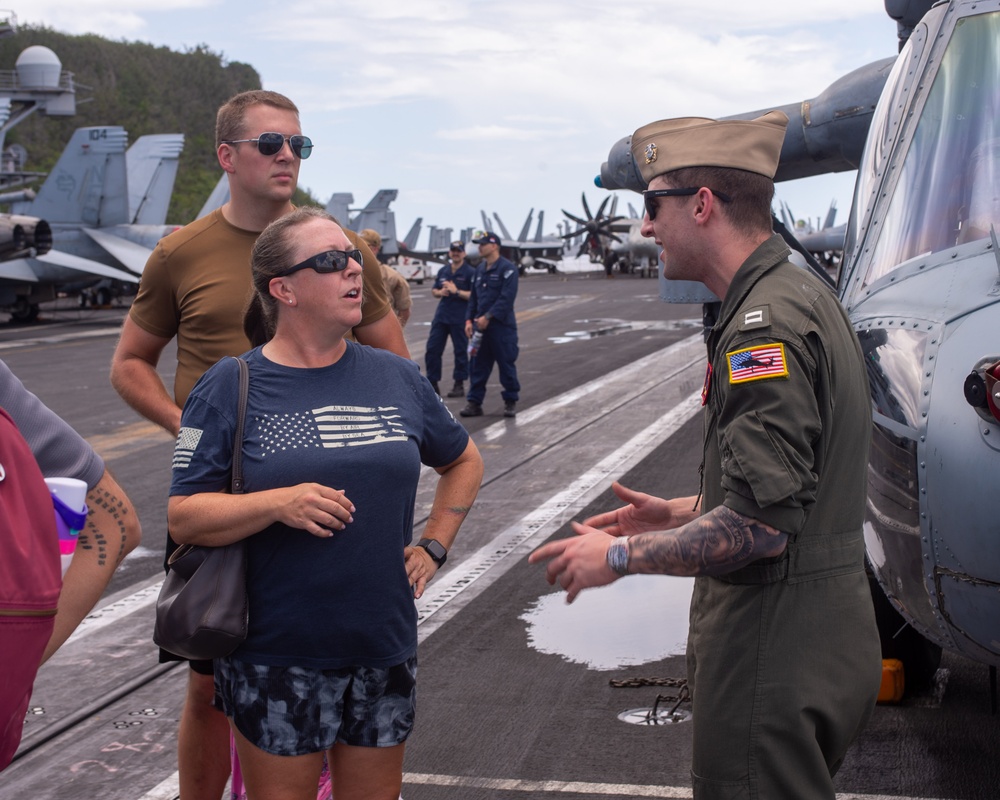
270, 144
324, 263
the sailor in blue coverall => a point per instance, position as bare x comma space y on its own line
491, 310
452, 287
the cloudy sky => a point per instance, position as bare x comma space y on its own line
505, 106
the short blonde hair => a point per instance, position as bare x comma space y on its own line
230, 120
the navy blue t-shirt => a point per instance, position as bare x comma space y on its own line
363, 425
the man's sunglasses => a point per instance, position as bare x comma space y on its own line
270, 144
650, 196
324, 263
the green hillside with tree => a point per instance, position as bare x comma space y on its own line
143, 88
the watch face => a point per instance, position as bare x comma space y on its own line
435, 548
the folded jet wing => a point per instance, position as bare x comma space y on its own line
57, 267
132, 255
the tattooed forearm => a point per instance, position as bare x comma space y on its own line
713, 544
106, 530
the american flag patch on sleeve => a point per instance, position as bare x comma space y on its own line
187, 443
756, 363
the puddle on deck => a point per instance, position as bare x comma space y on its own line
635, 620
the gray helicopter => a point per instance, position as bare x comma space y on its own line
920, 280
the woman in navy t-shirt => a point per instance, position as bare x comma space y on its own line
334, 438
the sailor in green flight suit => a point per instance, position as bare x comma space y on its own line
783, 656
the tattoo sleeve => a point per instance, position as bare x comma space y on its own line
715, 543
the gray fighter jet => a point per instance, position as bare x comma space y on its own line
106, 209
921, 282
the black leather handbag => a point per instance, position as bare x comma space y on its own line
202, 610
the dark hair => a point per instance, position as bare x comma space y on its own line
272, 254
231, 117
750, 193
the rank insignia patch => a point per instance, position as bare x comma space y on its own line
756, 318
757, 363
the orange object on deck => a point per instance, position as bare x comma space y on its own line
893, 682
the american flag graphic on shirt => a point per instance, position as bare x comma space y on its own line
329, 426
755, 363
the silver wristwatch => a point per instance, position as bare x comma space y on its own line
618, 556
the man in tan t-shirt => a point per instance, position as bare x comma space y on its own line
195, 286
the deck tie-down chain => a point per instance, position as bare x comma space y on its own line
683, 695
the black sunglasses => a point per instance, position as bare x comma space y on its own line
325, 263
270, 144
650, 195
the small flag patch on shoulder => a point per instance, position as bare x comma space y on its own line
756, 363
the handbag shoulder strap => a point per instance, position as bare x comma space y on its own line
236, 482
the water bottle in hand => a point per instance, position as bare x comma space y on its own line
474, 342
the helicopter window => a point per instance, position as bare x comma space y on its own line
894, 359
885, 121
946, 191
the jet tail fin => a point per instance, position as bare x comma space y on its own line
414, 233
831, 215
786, 216
503, 228
151, 163
526, 228
339, 207
88, 185
379, 217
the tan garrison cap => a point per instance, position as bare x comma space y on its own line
750, 144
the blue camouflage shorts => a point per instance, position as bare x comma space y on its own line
292, 711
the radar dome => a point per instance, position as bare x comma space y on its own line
38, 68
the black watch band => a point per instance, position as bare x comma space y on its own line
435, 550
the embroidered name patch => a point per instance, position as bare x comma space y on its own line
756, 363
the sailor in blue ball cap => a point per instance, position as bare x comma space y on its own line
491, 313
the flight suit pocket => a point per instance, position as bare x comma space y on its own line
752, 456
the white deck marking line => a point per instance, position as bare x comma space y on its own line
622, 375
111, 613
548, 787
60, 338
168, 789
491, 561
